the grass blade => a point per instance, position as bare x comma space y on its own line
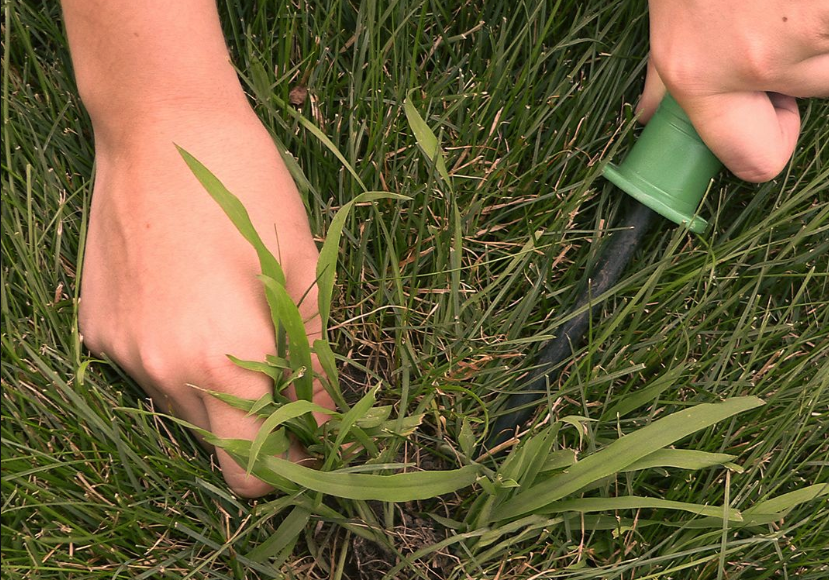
237, 214
287, 313
622, 453
601, 504
282, 414
327, 263
680, 459
426, 138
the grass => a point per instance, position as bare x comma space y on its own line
443, 300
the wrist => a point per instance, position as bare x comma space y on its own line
117, 119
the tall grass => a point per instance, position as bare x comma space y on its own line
442, 299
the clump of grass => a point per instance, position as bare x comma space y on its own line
443, 300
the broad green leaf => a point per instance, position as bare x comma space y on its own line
578, 423
284, 537
258, 367
765, 512
237, 214
622, 453
776, 508
262, 403
277, 362
789, 500
426, 138
600, 504
530, 456
680, 458
400, 427
400, 487
300, 351
374, 417
559, 460
282, 414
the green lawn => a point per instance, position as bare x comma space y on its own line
442, 300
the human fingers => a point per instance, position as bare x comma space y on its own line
753, 133
651, 95
808, 78
226, 422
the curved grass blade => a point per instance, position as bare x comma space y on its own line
398, 487
285, 536
680, 459
426, 138
316, 132
237, 214
282, 414
288, 316
258, 367
327, 263
347, 421
622, 453
632, 502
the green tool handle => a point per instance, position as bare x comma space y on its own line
669, 169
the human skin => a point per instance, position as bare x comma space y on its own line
169, 287
736, 67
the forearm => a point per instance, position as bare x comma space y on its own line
133, 58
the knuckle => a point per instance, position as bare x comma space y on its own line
157, 360
758, 64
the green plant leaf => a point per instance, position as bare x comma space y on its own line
644, 396
399, 487
787, 501
258, 367
622, 453
282, 414
327, 263
232, 400
559, 460
237, 214
347, 421
322, 348
681, 459
315, 131
426, 138
284, 537
286, 475
466, 438
527, 459
601, 504
289, 317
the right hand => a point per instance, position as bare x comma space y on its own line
736, 67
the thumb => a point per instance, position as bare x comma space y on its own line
753, 133
651, 95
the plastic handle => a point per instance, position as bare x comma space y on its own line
669, 168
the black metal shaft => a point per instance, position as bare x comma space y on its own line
616, 253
